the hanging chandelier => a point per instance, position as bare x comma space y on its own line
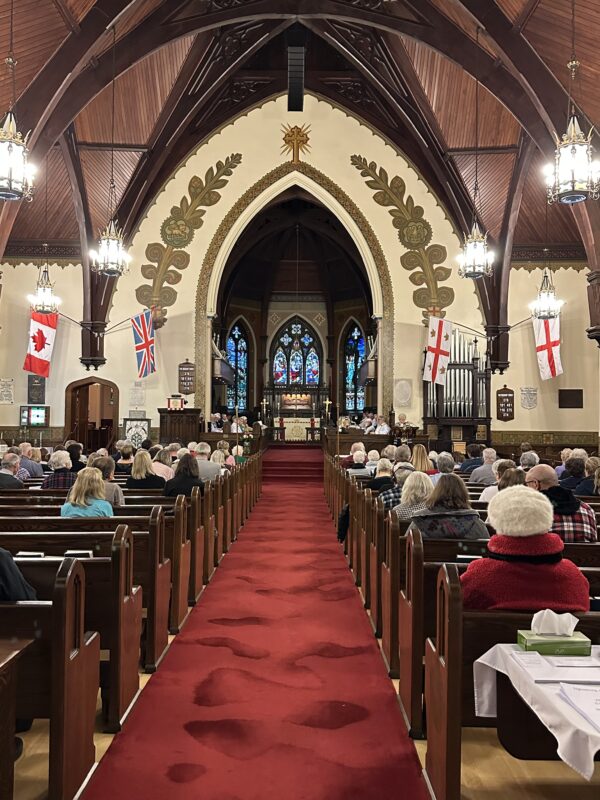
575, 174
16, 173
111, 258
476, 261
44, 301
546, 305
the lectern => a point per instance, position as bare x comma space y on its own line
179, 426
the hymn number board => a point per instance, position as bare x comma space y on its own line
187, 377
505, 404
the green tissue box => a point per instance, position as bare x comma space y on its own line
576, 645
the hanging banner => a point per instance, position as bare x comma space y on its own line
547, 347
438, 350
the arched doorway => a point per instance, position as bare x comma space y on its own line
92, 412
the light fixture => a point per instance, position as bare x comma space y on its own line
111, 258
44, 301
476, 261
546, 305
16, 173
575, 174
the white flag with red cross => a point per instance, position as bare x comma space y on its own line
438, 350
547, 346
42, 332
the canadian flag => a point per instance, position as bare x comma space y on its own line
547, 346
438, 350
42, 332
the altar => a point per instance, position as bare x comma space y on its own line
295, 428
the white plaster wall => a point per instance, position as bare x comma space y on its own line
579, 357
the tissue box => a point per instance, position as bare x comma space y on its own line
576, 645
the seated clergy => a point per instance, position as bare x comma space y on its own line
357, 468
449, 514
379, 426
485, 473
574, 520
383, 479
524, 570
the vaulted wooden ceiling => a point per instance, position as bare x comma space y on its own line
407, 67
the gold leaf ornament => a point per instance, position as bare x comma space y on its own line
415, 233
177, 232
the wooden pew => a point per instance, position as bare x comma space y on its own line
461, 637
389, 583
113, 608
58, 675
151, 569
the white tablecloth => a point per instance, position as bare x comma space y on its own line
578, 741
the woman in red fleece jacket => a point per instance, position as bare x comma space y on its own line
524, 569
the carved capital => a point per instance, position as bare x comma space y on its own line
92, 344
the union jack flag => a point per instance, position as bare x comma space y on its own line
143, 337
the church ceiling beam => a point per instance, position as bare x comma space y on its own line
66, 14
97, 290
211, 63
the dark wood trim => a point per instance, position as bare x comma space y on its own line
67, 17
491, 151
525, 14
135, 148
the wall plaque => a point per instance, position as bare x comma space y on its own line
187, 377
570, 398
36, 390
505, 404
7, 391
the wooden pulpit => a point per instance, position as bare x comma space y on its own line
179, 426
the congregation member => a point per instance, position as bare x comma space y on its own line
358, 468
433, 457
143, 475
372, 459
574, 473
112, 490
472, 460
511, 477
579, 452
366, 421
446, 466
21, 473
125, 462
589, 485
498, 468
379, 426
402, 458
421, 461
11, 463
528, 460
173, 449
13, 586
207, 469
347, 461
574, 520
146, 445
384, 478
449, 514
393, 496
415, 492
485, 473
524, 569
34, 469
62, 476
44, 458
161, 464
74, 450
186, 477
87, 497
223, 446
218, 457
238, 454
565, 455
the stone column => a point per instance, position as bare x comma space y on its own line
380, 408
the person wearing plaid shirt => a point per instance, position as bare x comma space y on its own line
574, 521
392, 497
61, 476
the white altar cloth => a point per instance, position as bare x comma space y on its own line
295, 428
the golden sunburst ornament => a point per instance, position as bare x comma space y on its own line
295, 141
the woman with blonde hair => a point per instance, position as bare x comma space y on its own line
421, 461
142, 474
223, 445
218, 457
87, 497
161, 464
416, 490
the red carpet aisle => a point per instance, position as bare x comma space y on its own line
275, 689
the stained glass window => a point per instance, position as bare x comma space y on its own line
295, 356
354, 355
237, 356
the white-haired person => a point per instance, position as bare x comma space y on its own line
499, 467
173, 449
446, 466
207, 469
143, 475
485, 473
528, 460
347, 461
61, 476
87, 497
417, 488
372, 459
524, 570
34, 469
384, 476
357, 468
565, 455
237, 451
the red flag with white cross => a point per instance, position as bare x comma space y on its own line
438, 350
42, 332
547, 347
